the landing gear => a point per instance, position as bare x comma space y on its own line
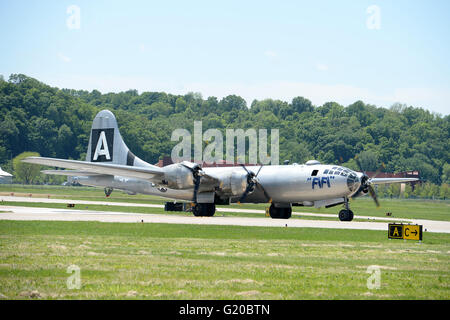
280, 213
204, 209
346, 214
108, 191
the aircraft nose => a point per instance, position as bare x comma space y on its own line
353, 182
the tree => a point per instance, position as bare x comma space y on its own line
25, 172
232, 102
56, 123
301, 104
446, 173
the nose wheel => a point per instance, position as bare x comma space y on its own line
346, 214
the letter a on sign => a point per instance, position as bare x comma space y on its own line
395, 234
395, 231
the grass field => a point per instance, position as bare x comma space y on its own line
162, 261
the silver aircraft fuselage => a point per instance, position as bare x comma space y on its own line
284, 183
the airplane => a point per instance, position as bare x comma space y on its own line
111, 165
4, 173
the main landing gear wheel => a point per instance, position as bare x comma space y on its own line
108, 191
280, 213
204, 209
346, 215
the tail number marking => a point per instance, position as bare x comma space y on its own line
104, 147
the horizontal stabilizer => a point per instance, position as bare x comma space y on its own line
392, 180
148, 172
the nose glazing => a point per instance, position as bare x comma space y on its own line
352, 182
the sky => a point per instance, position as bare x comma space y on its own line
380, 52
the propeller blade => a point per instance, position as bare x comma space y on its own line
359, 164
243, 166
196, 174
269, 199
246, 192
258, 171
379, 170
373, 195
252, 183
196, 186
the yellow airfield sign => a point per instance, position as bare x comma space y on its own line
404, 231
412, 232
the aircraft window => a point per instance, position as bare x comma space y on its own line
343, 174
331, 172
326, 171
347, 171
334, 168
314, 173
339, 169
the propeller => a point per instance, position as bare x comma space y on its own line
366, 184
197, 175
252, 182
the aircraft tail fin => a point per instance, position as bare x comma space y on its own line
106, 144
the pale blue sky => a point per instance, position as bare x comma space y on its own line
322, 50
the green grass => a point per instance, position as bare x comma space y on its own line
164, 261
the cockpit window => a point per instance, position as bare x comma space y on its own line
339, 169
314, 173
334, 168
326, 171
331, 172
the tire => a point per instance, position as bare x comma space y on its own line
204, 209
287, 213
345, 215
280, 213
211, 209
350, 215
274, 212
196, 210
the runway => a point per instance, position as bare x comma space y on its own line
52, 214
232, 208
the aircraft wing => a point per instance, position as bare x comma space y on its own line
70, 173
148, 172
4, 174
391, 180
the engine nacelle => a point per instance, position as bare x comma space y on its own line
235, 183
178, 176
